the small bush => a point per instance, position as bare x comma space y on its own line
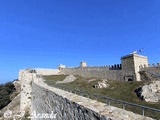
5, 91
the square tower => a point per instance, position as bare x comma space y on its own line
83, 64
131, 66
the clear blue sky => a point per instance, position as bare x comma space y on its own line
45, 33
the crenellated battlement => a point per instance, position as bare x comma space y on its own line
128, 69
153, 65
107, 67
115, 67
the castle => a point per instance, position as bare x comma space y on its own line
130, 69
38, 96
42, 101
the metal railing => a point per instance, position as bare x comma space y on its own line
108, 99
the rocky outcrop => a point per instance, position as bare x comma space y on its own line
17, 85
149, 93
101, 84
68, 79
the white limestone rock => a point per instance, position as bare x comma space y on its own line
149, 93
17, 85
91, 80
68, 79
101, 84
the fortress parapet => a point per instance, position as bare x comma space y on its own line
115, 67
112, 72
106, 67
154, 65
129, 69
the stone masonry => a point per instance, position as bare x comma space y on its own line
63, 104
69, 106
26, 77
128, 70
131, 66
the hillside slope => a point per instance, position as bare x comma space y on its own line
121, 90
13, 106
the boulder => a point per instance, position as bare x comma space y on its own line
68, 79
149, 93
101, 84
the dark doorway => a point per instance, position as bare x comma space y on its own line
130, 79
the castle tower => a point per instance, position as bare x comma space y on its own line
60, 66
131, 66
83, 64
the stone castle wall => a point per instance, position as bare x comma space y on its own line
128, 70
112, 73
42, 71
26, 77
68, 106
153, 69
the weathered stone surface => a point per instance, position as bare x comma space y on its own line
42, 71
65, 105
127, 70
68, 79
26, 77
149, 93
17, 85
69, 106
101, 84
91, 80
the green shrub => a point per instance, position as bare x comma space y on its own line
5, 91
